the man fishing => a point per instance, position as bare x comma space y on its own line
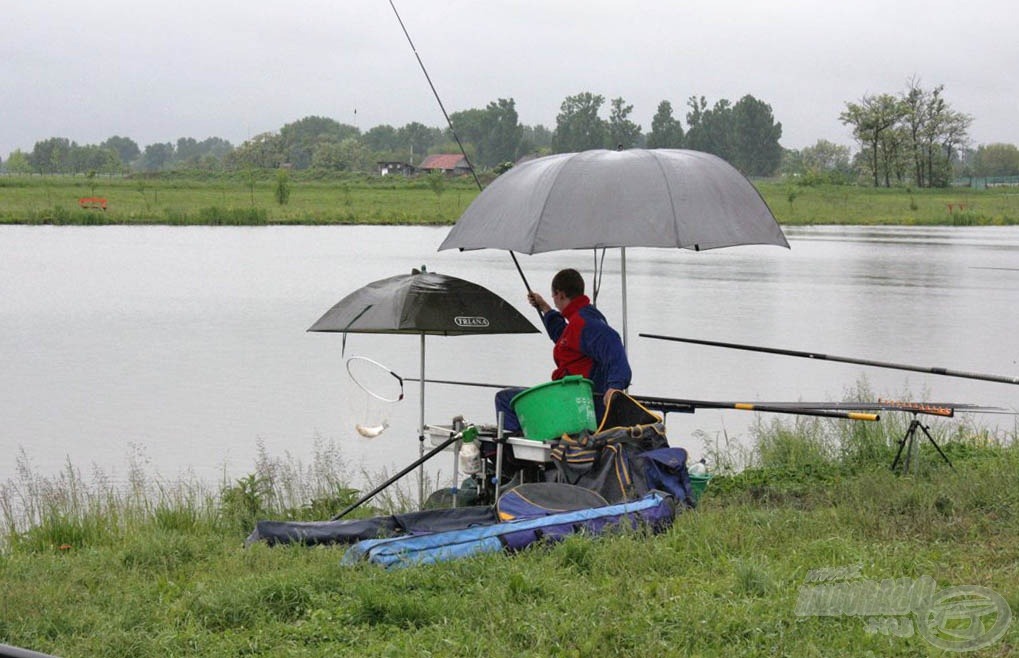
585, 345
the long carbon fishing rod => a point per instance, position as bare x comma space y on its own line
449, 122
680, 405
841, 359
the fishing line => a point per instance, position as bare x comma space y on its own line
599, 272
456, 137
436, 94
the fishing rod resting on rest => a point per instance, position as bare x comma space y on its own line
680, 405
841, 359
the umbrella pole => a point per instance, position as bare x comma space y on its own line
421, 430
622, 265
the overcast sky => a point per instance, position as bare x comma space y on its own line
155, 71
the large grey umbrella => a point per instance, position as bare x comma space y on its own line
634, 198
423, 303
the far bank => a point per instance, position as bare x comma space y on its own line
252, 199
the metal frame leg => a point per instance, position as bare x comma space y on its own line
499, 441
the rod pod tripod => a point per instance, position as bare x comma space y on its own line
908, 442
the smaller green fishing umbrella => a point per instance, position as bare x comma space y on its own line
423, 303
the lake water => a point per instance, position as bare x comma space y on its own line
185, 348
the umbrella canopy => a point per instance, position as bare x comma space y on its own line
423, 303
633, 198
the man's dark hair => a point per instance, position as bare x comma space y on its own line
569, 282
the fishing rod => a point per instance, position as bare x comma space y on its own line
688, 406
456, 137
944, 409
841, 359
680, 405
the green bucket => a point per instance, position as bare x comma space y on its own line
547, 411
698, 483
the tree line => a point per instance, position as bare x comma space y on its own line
914, 137
745, 133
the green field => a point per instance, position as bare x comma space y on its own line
158, 570
241, 199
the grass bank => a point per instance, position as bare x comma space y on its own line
158, 569
249, 199
232, 200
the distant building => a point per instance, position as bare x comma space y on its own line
387, 168
448, 163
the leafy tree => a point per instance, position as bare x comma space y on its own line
989, 160
792, 163
156, 157
91, 158
666, 131
299, 139
206, 154
824, 162
871, 119
710, 130
51, 156
348, 155
17, 163
187, 149
282, 189
623, 133
263, 151
756, 151
825, 156
935, 132
419, 138
382, 138
125, 148
578, 126
535, 139
501, 133
436, 183
469, 126
328, 155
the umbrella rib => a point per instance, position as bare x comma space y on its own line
672, 201
544, 204
357, 317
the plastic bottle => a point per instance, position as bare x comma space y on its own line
700, 468
470, 454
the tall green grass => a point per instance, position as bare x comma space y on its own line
244, 198
156, 568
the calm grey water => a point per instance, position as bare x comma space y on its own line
186, 349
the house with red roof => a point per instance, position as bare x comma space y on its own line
448, 163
